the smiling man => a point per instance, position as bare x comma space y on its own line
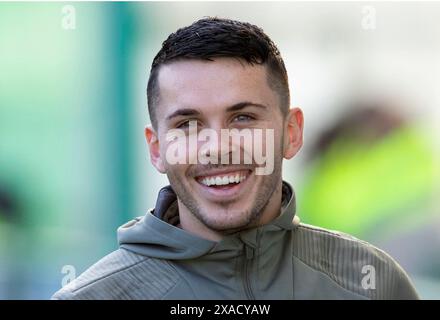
226, 226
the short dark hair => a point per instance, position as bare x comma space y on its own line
213, 37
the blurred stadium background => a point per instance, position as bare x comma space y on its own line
74, 164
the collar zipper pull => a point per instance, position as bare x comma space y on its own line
249, 252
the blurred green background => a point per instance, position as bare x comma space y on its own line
74, 165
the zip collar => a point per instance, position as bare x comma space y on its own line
154, 234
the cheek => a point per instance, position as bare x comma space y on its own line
269, 143
177, 172
173, 153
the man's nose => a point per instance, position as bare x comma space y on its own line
220, 145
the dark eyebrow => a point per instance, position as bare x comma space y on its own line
242, 105
183, 112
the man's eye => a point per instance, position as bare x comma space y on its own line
186, 123
242, 117
183, 125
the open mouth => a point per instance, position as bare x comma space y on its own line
224, 184
223, 179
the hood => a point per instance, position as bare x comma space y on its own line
156, 235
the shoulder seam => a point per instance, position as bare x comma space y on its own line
332, 280
337, 234
181, 279
342, 237
108, 275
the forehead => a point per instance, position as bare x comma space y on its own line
212, 85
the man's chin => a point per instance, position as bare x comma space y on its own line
228, 220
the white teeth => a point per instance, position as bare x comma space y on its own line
223, 180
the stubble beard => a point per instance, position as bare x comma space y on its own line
250, 217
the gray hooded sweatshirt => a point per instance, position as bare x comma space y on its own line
284, 259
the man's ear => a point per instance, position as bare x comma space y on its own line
153, 145
293, 132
